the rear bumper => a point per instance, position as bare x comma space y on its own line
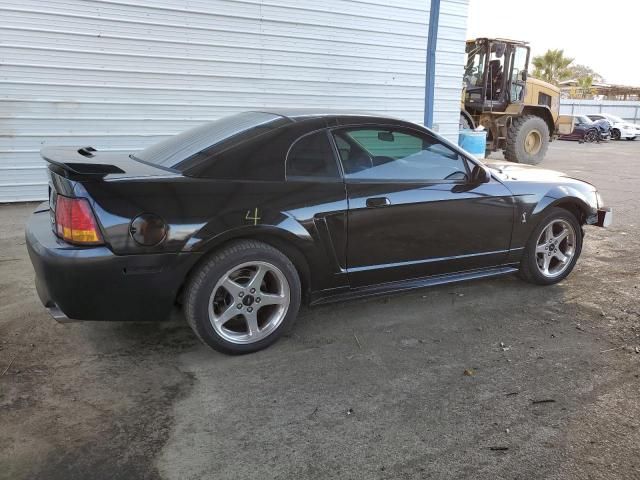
92, 283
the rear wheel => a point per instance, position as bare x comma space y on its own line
243, 297
615, 134
527, 140
553, 248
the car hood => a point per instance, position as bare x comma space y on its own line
519, 171
508, 171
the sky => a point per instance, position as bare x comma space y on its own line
604, 35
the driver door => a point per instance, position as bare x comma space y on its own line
412, 210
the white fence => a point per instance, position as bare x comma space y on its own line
628, 110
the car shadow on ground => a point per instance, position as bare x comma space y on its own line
324, 324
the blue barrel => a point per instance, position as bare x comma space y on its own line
474, 142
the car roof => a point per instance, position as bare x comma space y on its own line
604, 114
302, 114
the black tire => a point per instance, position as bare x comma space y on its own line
631, 139
615, 134
591, 136
528, 265
212, 269
517, 134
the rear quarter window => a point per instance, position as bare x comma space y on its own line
311, 157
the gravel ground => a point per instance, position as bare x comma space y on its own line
372, 389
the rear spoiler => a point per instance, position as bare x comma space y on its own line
78, 161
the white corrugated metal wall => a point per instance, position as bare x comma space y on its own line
121, 74
626, 109
450, 58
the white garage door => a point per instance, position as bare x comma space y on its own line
119, 75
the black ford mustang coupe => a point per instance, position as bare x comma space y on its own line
242, 219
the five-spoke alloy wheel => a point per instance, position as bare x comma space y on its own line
553, 248
243, 297
249, 302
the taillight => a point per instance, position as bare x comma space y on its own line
75, 221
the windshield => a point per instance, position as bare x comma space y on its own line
583, 119
174, 150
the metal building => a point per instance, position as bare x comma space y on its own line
121, 74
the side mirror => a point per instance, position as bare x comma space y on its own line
480, 174
523, 74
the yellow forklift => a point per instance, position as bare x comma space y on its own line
520, 113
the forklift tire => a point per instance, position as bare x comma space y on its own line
527, 140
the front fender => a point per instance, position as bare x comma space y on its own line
559, 194
532, 208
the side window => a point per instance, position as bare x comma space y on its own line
388, 154
518, 80
544, 99
311, 156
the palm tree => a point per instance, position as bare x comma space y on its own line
552, 67
585, 84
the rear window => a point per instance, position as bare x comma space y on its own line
174, 152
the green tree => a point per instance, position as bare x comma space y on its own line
552, 66
584, 85
581, 71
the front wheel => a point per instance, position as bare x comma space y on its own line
243, 298
615, 134
527, 140
553, 248
591, 136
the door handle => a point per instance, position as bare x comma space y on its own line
378, 202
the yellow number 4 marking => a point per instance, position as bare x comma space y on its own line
255, 216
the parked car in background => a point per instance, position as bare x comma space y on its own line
604, 130
619, 128
242, 219
584, 129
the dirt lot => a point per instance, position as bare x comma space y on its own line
130, 401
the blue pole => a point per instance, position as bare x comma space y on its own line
430, 81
